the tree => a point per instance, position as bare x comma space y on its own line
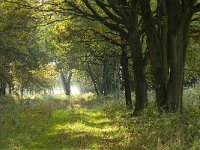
167, 43
122, 18
22, 53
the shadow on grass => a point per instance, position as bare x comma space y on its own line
46, 127
82, 129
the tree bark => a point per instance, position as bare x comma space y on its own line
126, 78
167, 43
138, 63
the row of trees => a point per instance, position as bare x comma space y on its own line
156, 33
127, 45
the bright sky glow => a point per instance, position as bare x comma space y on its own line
75, 90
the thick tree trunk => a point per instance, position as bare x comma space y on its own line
167, 46
138, 64
126, 78
175, 85
169, 85
140, 84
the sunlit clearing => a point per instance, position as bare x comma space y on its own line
75, 90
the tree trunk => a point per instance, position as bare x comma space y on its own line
140, 83
10, 88
175, 85
126, 78
105, 79
117, 83
21, 91
66, 81
2, 88
109, 82
138, 64
93, 79
167, 50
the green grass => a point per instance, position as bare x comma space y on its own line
90, 123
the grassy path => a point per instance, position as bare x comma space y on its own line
54, 125
90, 125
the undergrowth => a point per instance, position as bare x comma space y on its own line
88, 122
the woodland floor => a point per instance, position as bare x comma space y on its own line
90, 123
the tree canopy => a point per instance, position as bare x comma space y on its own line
129, 45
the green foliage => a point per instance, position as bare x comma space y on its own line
22, 47
192, 61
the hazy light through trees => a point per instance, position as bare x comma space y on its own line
75, 90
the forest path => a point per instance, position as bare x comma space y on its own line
57, 124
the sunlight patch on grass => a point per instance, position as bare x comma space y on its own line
82, 128
80, 135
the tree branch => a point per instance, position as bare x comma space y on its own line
196, 8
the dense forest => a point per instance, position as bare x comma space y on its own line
100, 74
